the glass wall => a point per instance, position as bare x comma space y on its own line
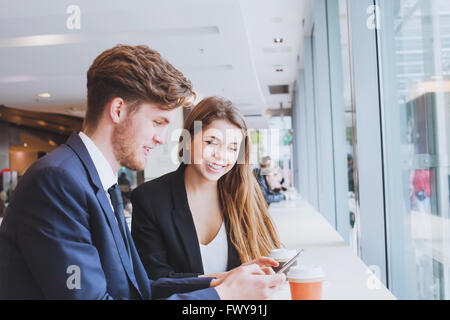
326, 116
389, 84
343, 120
414, 61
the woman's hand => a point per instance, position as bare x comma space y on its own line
265, 263
219, 277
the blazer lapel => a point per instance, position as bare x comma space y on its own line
139, 271
123, 253
77, 145
184, 222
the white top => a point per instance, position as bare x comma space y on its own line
215, 253
106, 173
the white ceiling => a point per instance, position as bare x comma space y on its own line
225, 47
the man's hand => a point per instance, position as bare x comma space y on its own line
265, 263
248, 282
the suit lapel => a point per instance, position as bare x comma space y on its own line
77, 145
139, 271
184, 222
104, 202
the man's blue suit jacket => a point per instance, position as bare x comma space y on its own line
60, 240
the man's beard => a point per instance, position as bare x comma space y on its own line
125, 149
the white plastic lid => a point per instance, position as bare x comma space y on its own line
282, 254
305, 272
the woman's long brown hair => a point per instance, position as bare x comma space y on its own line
252, 231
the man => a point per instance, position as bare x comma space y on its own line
64, 236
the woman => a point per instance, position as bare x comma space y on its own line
209, 216
268, 182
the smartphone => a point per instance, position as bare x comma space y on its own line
290, 262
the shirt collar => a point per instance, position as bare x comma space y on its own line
106, 173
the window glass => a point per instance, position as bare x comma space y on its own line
414, 58
342, 115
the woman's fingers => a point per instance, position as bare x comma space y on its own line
266, 261
263, 262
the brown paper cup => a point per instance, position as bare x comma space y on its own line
306, 282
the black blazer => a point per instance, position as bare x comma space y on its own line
164, 232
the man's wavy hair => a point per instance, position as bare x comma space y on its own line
138, 75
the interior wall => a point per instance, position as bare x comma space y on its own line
21, 161
162, 159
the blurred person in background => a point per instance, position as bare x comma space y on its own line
421, 191
268, 181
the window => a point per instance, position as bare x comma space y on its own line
414, 61
343, 119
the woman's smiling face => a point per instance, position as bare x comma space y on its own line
216, 149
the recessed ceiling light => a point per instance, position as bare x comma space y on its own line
44, 95
278, 40
15, 79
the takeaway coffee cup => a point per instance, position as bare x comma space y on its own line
306, 282
282, 256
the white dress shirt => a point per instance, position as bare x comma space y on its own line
106, 173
